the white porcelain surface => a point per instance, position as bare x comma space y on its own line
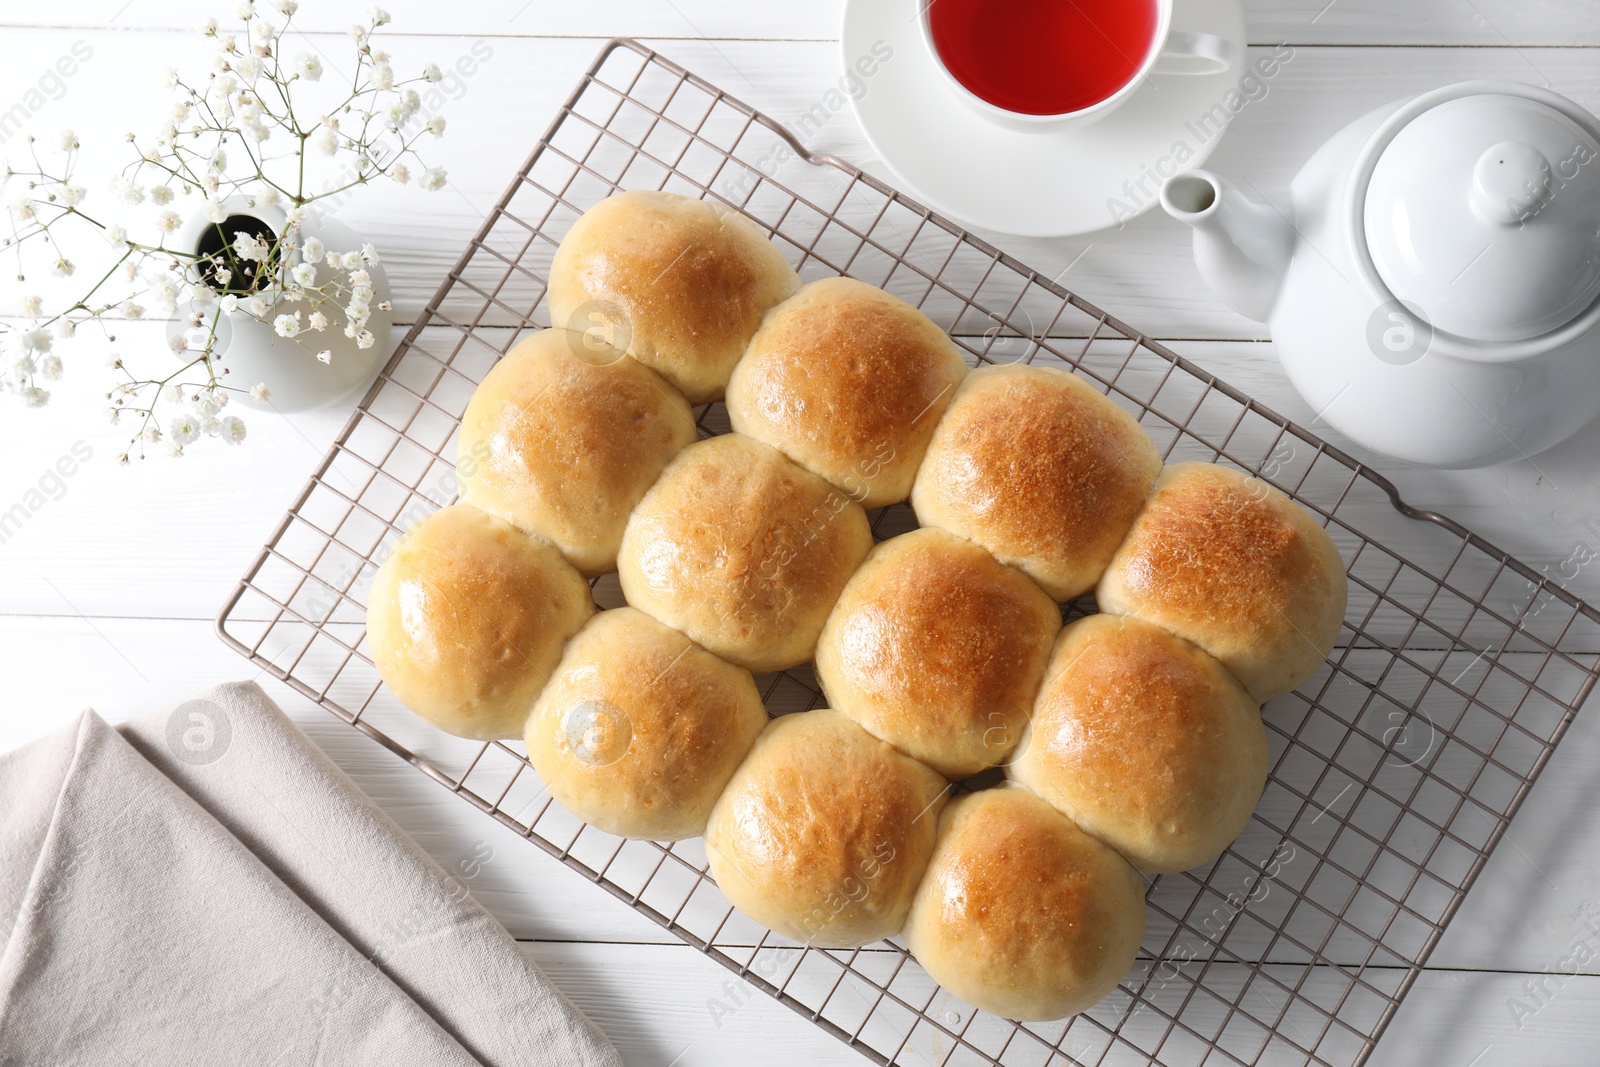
1375, 366
1048, 181
1482, 210
251, 352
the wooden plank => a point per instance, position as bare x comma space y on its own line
1427, 22
1532, 899
659, 1003
171, 538
1142, 273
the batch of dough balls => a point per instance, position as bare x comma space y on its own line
1131, 740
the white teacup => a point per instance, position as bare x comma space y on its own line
1170, 52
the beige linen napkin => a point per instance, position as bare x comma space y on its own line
206, 887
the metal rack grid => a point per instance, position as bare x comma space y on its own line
1395, 771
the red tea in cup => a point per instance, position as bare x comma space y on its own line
1043, 57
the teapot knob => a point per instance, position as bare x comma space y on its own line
1511, 183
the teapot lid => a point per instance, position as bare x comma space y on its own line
1482, 211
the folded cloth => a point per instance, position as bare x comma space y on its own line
206, 887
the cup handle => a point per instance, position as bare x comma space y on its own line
1194, 53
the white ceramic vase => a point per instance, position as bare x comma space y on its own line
251, 351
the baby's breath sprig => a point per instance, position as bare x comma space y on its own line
239, 134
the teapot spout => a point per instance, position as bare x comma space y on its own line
1241, 245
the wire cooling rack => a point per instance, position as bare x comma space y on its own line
1395, 771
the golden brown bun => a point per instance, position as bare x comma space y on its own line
640, 728
564, 446
848, 382
1021, 913
681, 284
1230, 563
742, 550
938, 649
1146, 742
1038, 467
823, 833
467, 619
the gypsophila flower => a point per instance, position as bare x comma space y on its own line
112, 415
241, 97
233, 429
249, 247
184, 429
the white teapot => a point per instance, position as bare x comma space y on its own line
1432, 291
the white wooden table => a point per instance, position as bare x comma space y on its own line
108, 591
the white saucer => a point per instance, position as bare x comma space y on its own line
1048, 183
